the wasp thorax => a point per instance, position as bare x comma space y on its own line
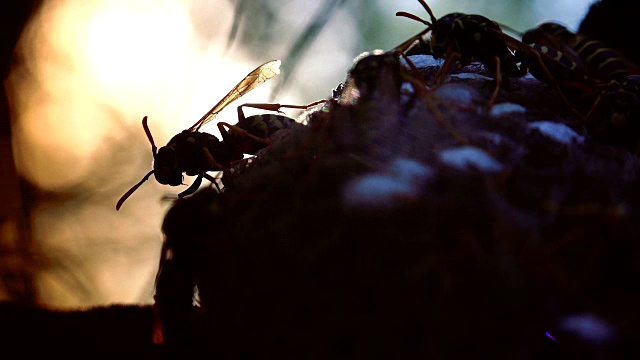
165, 167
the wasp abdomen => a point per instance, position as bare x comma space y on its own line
265, 125
262, 126
603, 63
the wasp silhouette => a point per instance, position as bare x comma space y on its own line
195, 153
465, 38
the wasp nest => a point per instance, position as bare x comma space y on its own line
410, 222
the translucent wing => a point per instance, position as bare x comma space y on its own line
255, 78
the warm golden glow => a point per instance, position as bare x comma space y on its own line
89, 70
134, 46
92, 69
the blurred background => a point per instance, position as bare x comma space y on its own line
81, 74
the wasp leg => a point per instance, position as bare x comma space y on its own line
263, 106
414, 68
420, 86
446, 124
446, 68
553, 81
194, 186
276, 107
594, 107
549, 77
241, 131
215, 166
537, 57
498, 80
213, 180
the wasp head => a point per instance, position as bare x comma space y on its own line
444, 34
165, 167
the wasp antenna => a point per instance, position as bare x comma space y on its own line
154, 149
133, 188
434, 20
413, 17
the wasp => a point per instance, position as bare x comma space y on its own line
618, 103
613, 22
465, 38
195, 153
599, 62
576, 66
547, 53
592, 60
611, 81
624, 98
560, 61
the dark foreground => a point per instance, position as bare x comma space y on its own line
395, 224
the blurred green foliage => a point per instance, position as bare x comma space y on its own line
264, 27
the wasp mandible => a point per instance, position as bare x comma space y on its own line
195, 153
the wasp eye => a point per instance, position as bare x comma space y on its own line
445, 23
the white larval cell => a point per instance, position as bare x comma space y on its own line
470, 156
557, 131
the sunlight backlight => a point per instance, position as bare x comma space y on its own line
86, 73
129, 45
